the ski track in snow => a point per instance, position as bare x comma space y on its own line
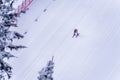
94, 55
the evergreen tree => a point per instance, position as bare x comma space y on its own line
8, 19
1, 2
46, 73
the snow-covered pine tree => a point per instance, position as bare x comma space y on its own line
46, 72
8, 19
1, 2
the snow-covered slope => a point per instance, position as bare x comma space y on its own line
94, 55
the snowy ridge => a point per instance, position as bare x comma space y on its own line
92, 56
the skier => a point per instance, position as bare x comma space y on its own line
36, 20
11, 4
44, 10
75, 34
25, 32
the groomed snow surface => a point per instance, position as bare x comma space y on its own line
94, 55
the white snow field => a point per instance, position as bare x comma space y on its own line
94, 55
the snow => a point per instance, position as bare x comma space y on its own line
17, 3
92, 56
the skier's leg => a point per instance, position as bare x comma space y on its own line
73, 35
77, 34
